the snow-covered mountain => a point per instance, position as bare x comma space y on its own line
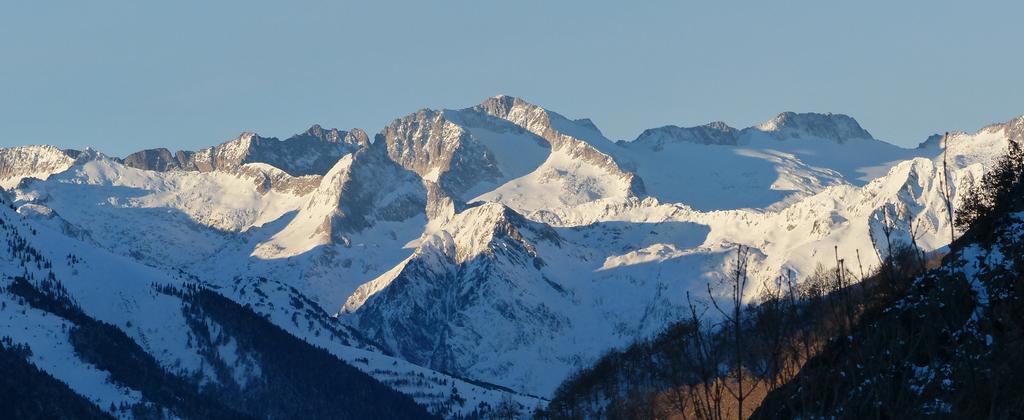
464, 256
582, 166
308, 153
716, 167
160, 309
17, 163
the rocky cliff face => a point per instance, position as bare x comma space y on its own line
159, 159
439, 150
310, 153
17, 163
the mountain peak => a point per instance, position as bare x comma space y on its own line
316, 131
499, 105
355, 136
240, 146
39, 161
311, 152
719, 126
934, 140
1014, 128
836, 127
713, 133
588, 123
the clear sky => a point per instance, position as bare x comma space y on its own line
126, 75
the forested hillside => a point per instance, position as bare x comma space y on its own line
27, 392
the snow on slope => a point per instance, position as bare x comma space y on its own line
858, 158
117, 290
168, 219
717, 177
465, 152
501, 298
493, 295
110, 288
287, 307
562, 181
225, 223
510, 151
717, 167
716, 132
517, 355
355, 225
17, 163
47, 336
515, 151
219, 200
361, 190
583, 165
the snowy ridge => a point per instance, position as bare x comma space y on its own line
360, 190
308, 153
770, 165
583, 165
502, 243
222, 200
712, 133
17, 163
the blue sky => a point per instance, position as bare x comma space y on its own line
126, 75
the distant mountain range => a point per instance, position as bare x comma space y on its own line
464, 258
